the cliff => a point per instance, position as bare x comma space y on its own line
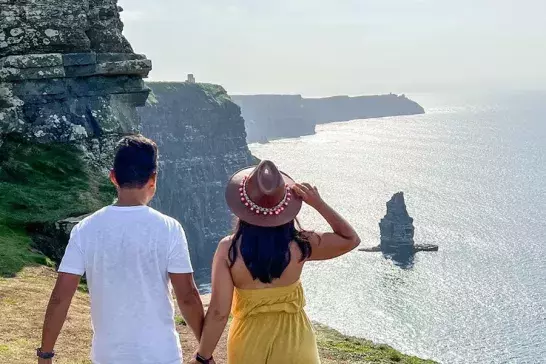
201, 138
345, 108
69, 87
271, 117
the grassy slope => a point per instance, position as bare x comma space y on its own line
41, 184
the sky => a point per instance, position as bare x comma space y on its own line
328, 47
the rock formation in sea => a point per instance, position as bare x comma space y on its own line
397, 232
70, 84
271, 117
396, 228
202, 142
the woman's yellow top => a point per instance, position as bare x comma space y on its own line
270, 326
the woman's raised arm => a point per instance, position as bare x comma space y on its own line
327, 245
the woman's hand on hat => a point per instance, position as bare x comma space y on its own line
309, 194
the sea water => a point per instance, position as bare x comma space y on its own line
473, 171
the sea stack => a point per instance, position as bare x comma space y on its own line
397, 233
396, 227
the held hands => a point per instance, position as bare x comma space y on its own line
195, 361
309, 194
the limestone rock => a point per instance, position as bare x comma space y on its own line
67, 74
397, 232
396, 227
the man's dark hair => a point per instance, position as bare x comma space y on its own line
135, 161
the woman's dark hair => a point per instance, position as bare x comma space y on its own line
135, 161
266, 250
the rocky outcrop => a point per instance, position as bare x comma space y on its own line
67, 74
271, 117
397, 232
201, 138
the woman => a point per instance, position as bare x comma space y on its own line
256, 271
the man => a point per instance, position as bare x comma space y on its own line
129, 253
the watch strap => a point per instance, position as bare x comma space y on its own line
43, 355
202, 360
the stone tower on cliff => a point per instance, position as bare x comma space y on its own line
67, 74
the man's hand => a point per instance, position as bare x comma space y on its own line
194, 361
189, 301
62, 294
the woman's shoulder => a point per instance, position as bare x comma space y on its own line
226, 240
224, 245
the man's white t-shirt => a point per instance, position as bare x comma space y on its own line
127, 253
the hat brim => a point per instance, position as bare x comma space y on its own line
233, 200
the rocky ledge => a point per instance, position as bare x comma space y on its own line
67, 74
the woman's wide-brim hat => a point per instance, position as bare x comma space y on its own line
262, 195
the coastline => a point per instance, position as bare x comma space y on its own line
23, 301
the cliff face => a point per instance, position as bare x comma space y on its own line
67, 74
274, 116
285, 116
345, 108
69, 87
201, 138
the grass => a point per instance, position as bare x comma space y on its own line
15, 252
41, 184
338, 348
179, 320
213, 94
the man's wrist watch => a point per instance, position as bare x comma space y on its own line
202, 360
43, 355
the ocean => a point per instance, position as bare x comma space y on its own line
473, 171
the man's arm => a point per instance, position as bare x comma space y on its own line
189, 301
62, 294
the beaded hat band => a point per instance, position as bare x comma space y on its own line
254, 207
